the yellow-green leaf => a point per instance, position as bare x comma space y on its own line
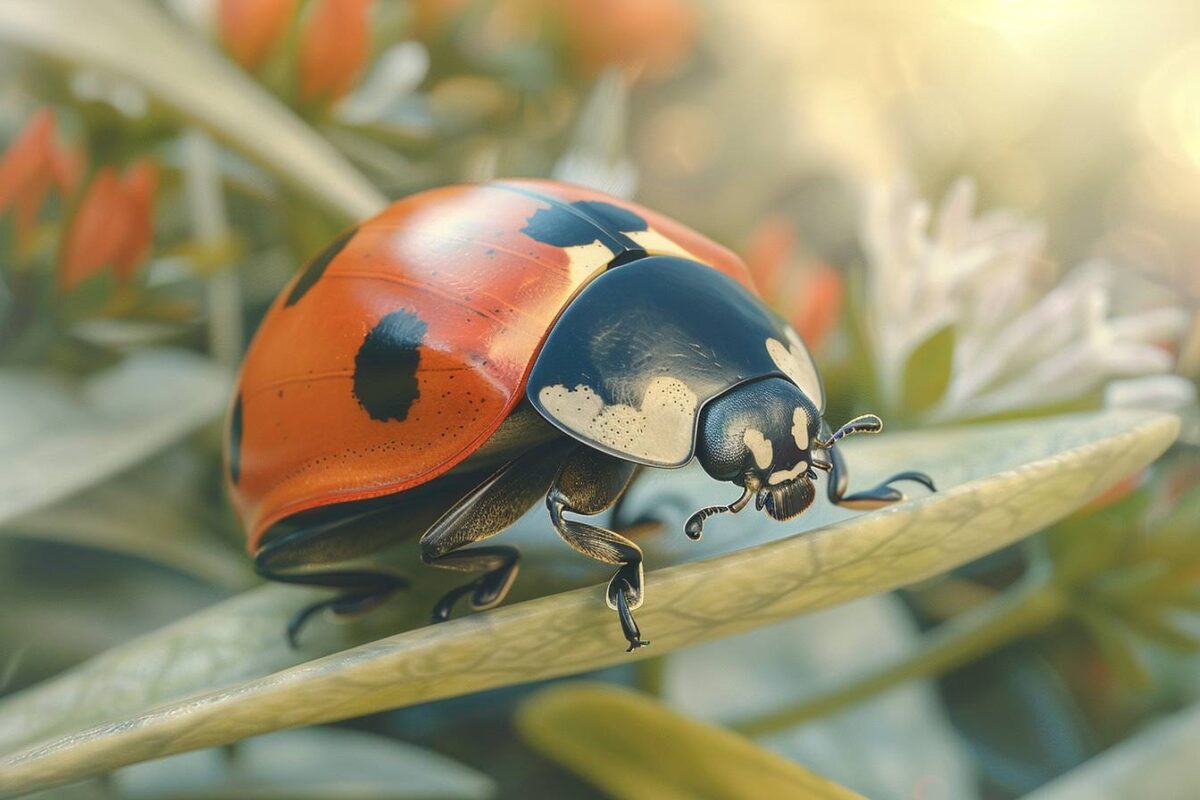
999, 483
927, 371
635, 748
137, 41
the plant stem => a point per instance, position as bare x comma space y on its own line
210, 226
1023, 610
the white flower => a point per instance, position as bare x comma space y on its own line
1015, 346
393, 78
596, 157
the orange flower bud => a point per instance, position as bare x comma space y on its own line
810, 295
95, 232
112, 227
67, 165
250, 29
139, 183
770, 247
431, 18
27, 160
1115, 493
817, 304
334, 44
28, 203
653, 36
32, 164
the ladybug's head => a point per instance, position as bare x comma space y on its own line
761, 436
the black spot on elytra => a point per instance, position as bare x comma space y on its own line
316, 268
585, 221
385, 369
235, 441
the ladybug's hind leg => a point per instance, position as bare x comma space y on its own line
876, 497
488, 509
588, 483
362, 590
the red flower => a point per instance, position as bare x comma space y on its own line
30, 166
809, 295
27, 159
648, 36
817, 302
1115, 493
335, 41
139, 185
112, 227
770, 247
250, 29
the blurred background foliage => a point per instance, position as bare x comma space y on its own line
166, 167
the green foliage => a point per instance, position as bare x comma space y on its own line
112, 500
1031, 474
636, 749
928, 371
135, 40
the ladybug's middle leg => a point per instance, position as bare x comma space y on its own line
488, 509
588, 483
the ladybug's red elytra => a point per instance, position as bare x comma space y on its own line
473, 350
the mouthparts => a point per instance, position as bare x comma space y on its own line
783, 501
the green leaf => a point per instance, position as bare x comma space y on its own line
137, 41
128, 514
311, 764
1156, 626
57, 438
928, 371
999, 483
634, 748
1160, 761
781, 665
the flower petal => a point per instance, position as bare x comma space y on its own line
96, 232
27, 158
334, 44
250, 29
139, 184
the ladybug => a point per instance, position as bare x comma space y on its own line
472, 350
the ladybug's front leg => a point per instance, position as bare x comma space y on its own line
876, 497
588, 483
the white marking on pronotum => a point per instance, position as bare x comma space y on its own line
584, 260
795, 362
655, 243
800, 427
759, 447
659, 430
779, 476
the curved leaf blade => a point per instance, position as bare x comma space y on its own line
138, 42
1012, 479
312, 764
635, 748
